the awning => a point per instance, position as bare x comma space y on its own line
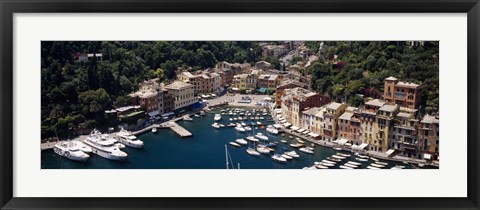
314, 135
300, 130
342, 141
262, 90
235, 89
267, 98
154, 113
286, 124
283, 121
280, 118
168, 114
306, 132
390, 152
213, 95
427, 156
359, 147
279, 115
294, 128
278, 111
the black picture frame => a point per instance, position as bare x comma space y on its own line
10, 7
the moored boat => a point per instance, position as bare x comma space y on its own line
127, 138
345, 167
306, 150
234, 144
241, 141
252, 152
71, 151
361, 159
279, 158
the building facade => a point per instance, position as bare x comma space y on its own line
183, 94
287, 84
404, 94
428, 137
297, 100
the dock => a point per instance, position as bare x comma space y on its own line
179, 130
48, 145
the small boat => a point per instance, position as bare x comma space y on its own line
381, 163
272, 130
235, 119
292, 154
338, 148
243, 124
371, 167
221, 125
362, 156
290, 137
395, 167
240, 118
377, 165
321, 166
231, 125
251, 138
262, 136
350, 165
234, 144
310, 148
279, 158
202, 113
262, 118
216, 125
230, 119
241, 141
286, 156
187, 118
327, 164
399, 166
334, 159
421, 165
299, 140
247, 128
259, 123
297, 145
338, 157
309, 168
374, 159
240, 129
283, 141
327, 161
154, 130
263, 150
217, 117
271, 144
345, 167
196, 115
251, 151
252, 123
354, 163
306, 150
361, 159
343, 154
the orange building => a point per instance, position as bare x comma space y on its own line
404, 94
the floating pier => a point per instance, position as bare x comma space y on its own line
179, 130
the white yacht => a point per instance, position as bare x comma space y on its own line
217, 117
104, 148
263, 150
187, 118
83, 147
234, 144
240, 129
231, 125
262, 136
252, 151
279, 158
247, 128
272, 130
251, 138
127, 138
241, 141
71, 151
306, 150
216, 125
286, 156
292, 154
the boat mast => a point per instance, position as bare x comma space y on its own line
226, 155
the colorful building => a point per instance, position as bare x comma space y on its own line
428, 137
183, 94
404, 138
148, 95
333, 111
286, 84
297, 100
404, 94
385, 121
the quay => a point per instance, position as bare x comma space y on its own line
48, 145
182, 132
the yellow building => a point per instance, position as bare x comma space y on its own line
333, 111
385, 123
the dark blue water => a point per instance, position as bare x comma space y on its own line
204, 150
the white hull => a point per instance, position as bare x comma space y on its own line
107, 155
70, 156
131, 144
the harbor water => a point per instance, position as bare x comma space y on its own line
204, 150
